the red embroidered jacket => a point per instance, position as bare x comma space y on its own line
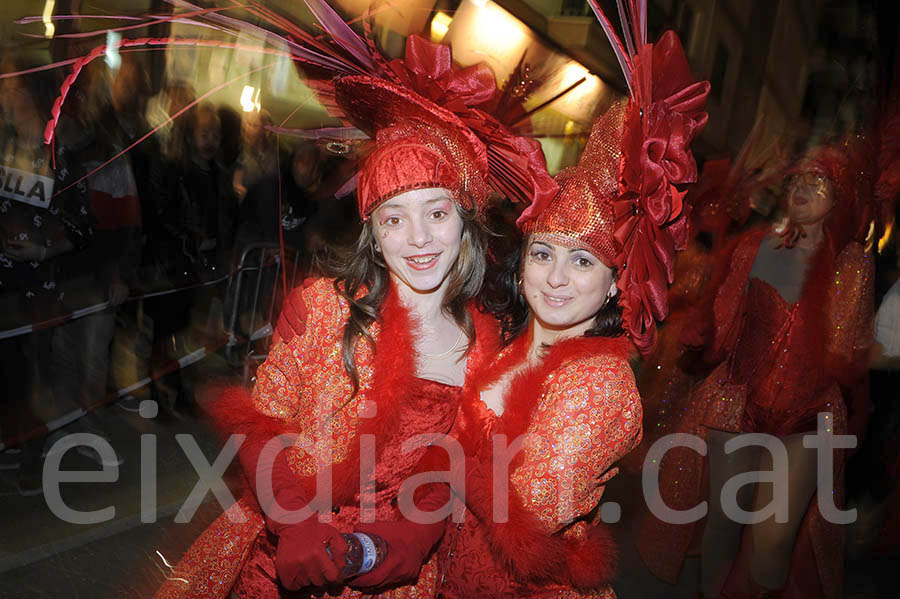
581, 412
303, 388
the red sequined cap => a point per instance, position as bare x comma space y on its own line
582, 213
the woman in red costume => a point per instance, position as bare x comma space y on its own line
379, 352
790, 323
562, 386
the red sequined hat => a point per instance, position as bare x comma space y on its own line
622, 201
418, 145
432, 128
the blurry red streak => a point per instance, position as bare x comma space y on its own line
149, 23
63, 63
161, 125
99, 51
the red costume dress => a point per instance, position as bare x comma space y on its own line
581, 408
302, 383
781, 365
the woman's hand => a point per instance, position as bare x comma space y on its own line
408, 547
408, 543
25, 250
309, 554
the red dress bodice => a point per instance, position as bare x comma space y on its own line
776, 359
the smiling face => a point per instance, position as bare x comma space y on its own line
564, 287
810, 198
419, 234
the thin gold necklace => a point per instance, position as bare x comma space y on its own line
449, 351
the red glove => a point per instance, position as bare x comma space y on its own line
409, 544
292, 320
308, 553
302, 555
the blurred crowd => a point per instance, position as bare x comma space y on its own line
119, 240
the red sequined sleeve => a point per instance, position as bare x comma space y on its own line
715, 321
851, 307
729, 305
277, 390
590, 418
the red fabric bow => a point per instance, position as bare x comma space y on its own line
651, 221
428, 69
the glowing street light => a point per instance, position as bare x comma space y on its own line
440, 25
47, 17
250, 99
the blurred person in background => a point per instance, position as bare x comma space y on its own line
196, 211
45, 221
194, 190
230, 119
332, 219
790, 335
258, 159
119, 189
284, 201
276, 207
165, 105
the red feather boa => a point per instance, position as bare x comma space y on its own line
234, 412
524, 544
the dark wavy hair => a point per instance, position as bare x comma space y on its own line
503, 298
361, 268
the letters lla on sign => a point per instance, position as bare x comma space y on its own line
26, 187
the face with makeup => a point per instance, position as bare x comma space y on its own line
810, 198
564, 287
419, 233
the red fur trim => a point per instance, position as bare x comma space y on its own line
594, 560
528, 549
718, 341
232, 409
392, 379
487, 340
232, 412
526, 387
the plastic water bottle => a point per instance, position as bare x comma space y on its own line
364, 553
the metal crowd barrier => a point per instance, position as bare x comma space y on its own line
259, 271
